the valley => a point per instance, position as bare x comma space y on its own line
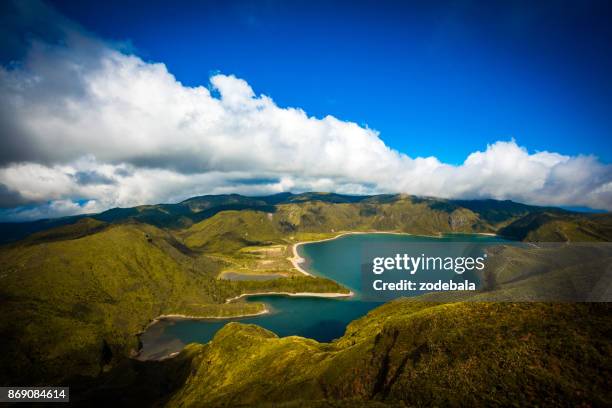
75, 294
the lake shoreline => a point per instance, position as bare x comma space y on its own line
296, 259
179, 316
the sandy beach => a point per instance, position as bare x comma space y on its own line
297, 259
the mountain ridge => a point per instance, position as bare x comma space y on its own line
75, 296
199, 208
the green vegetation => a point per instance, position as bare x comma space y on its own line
73, 304
410, 352
473, 351
294, 284
75, 293
319, 212
555, 227
414, 354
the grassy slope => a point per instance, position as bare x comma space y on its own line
488, 215
471, 350
69, 306
555, 227
259, 242
194, 210
230, 230
427, 354
73, 304
417, 353
87, 288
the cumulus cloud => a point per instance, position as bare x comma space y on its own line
86, 126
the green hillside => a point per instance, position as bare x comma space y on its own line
413, 352
75, 292
560, 227
290, 222
500, 212
73, 304
489, 215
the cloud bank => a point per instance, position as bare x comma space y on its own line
87, 126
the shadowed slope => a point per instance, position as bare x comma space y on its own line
74, 298
470, 354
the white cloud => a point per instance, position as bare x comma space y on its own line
53, 209
84, 121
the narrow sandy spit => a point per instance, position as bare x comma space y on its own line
297, 294
193, 317
296, 260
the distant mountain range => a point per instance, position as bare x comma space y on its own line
507, 218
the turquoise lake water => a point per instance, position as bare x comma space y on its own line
322, 319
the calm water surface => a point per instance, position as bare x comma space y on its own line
318, 318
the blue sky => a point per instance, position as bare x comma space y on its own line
106, 104
440, 78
